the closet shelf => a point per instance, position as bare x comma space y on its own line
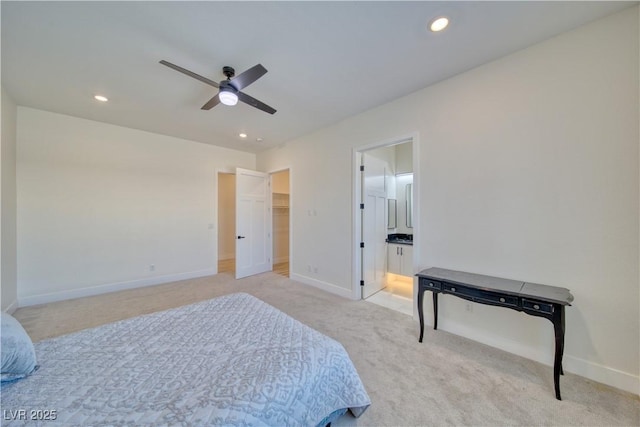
280, 201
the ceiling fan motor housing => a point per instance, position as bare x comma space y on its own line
228, 71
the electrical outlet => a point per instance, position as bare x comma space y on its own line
469, 307
315, 269
309, 268
152, 267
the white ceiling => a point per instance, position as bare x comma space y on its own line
326, 60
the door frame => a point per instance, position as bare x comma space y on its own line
271, 172
356, 195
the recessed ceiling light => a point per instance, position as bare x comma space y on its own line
243, 135
439, 24
101, 98
259, 139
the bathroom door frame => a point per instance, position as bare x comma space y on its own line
357, 273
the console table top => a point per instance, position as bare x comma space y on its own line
515, 287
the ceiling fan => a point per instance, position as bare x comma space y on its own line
229, 90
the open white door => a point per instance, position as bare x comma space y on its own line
253, 223
374, 224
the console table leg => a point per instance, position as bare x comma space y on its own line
420, 312
558, 326
563, 329
435, 310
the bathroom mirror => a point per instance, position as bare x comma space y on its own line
409, 197
392, 212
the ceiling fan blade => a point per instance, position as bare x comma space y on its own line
190, 73
251, 75
211, 103
255, 103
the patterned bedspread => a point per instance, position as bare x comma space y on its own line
228, 361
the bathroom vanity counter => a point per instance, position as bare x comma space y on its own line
400, 239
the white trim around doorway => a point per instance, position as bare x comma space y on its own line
291, 204
356, 221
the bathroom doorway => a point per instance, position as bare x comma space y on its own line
280, 203
386, 248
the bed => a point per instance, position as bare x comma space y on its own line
229, 361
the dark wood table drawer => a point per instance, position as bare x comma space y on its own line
497, 299
433, 284
456, 289
481, 296
536, 306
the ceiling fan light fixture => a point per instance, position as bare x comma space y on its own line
228, 98
229, 89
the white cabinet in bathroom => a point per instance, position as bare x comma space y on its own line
400, 259
394, 259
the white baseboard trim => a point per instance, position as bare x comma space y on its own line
593, 371
325, 286
602, 374
111, 287
12, 307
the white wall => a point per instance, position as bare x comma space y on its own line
528, 170
320, 182
404, 157
8, 274
99, 204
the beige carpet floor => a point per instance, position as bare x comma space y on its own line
447, 380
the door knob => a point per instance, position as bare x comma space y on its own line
240, 237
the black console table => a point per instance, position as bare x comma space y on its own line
530, 298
